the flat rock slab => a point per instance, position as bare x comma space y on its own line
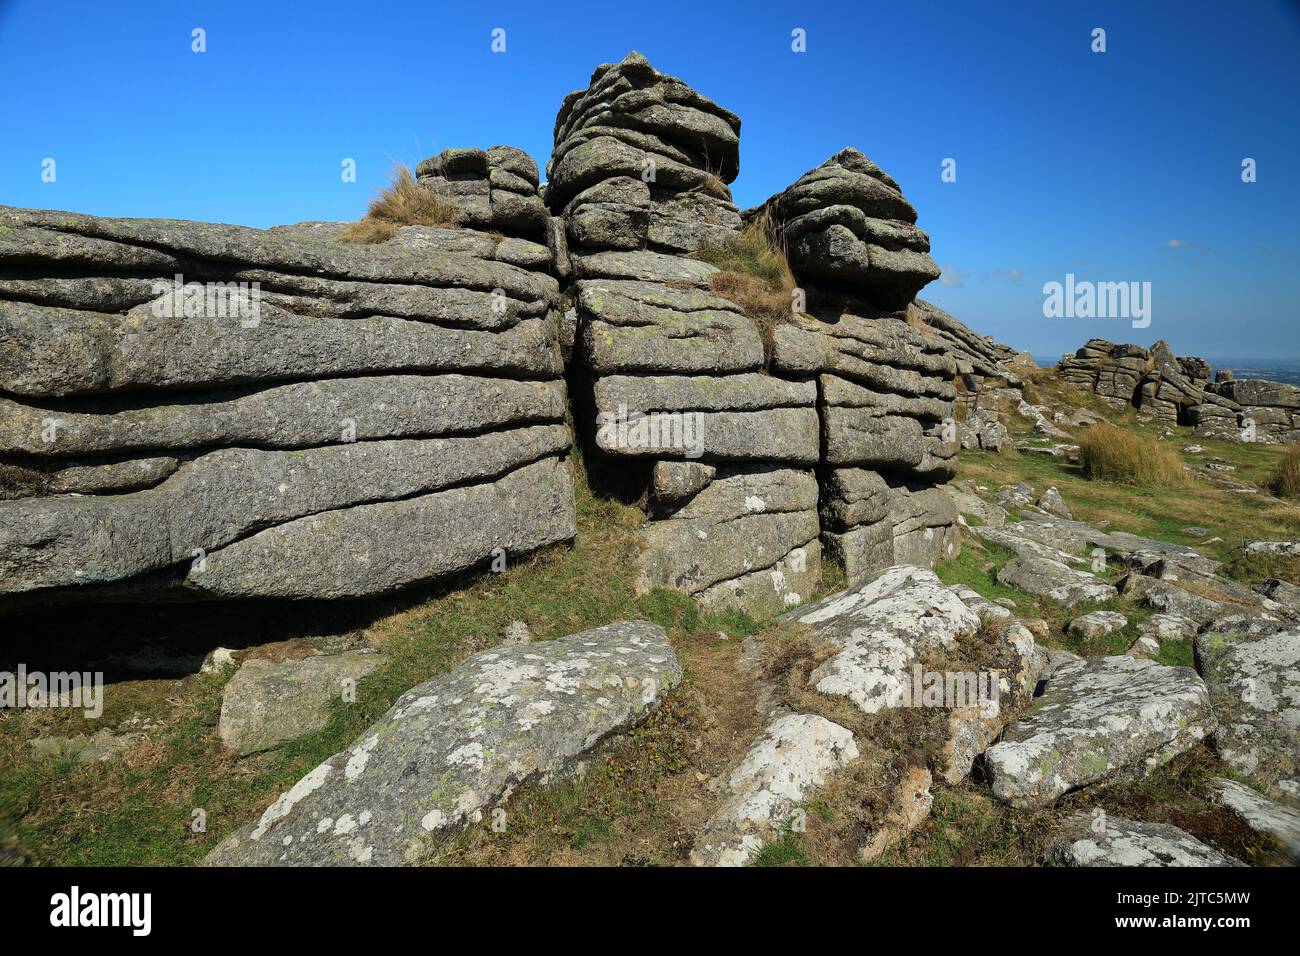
795, 756
1097, 717
458, 745
1054, 579
1262, 815
268, 702
1115, 841
1254, 683
885, 626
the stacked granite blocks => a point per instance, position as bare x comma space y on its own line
885, 386
214, 411
1249, 409
676, 372
1175, 390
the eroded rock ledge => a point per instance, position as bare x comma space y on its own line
395, 413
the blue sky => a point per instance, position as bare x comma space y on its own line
1067, 160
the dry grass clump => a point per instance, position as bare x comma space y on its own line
403, 203
1285, 482
754, 274
916, 319
1107, 453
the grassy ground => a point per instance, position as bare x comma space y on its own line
644, 796
1163, 513
138, 809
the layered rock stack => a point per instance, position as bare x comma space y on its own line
849, 233
981, 362
222, 412
1113, 371
1249, 409
885, 388
491, 189
1176, 390
675, 371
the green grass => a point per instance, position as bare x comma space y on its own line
967, 827
1257, 568
783, 851
137, 810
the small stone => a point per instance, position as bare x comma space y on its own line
1100, 839
1262, 815
1052, 502
1096, 624
217, 659
516, 633
266, 703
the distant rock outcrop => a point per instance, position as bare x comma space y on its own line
1176, 390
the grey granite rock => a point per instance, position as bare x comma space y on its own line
454, 748
266, 702
1254, 685
795, 755
1087, 840
1097, 718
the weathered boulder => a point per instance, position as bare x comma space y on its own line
846, 225
1054, 579
456, 747
1281, 823
266, 702
1052, 502
1097, 718
1085, 840
1096, 624
795, 755
1254, 685
1168, 627
886, 628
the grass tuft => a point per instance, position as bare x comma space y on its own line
403, 203
754, 274
1107, 453
1285, 481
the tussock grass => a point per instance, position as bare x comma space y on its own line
1107, 453
1285, 481
404, 202
754, 274
917, 320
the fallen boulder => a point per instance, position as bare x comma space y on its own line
795, 756
1085, 840
458, 745
1097, 718
1254, 686
268, 702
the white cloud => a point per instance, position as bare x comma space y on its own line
951, 275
